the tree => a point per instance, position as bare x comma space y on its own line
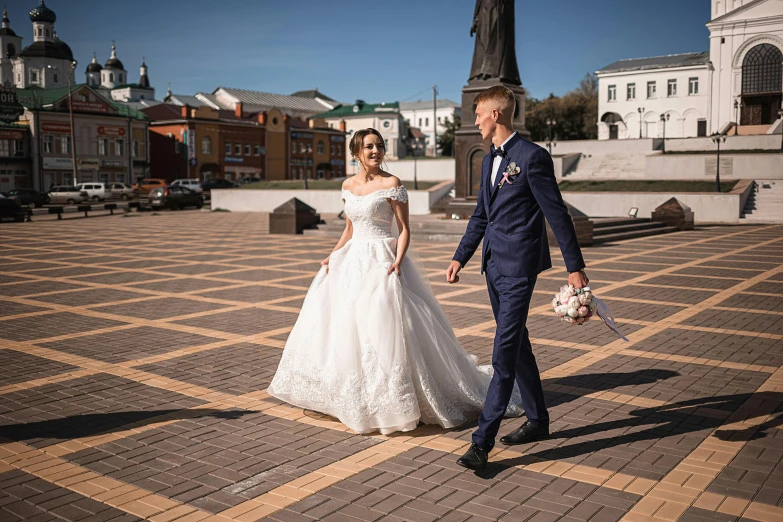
576, 113
446, 140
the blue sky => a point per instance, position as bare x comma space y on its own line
349, 49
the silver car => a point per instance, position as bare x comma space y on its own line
67, 194
122, 191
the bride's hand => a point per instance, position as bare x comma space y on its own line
325, 263
395, 267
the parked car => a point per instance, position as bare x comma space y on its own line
67, 194
192, 184
95, 191
217, 183
174, 197
122, 191
29, 197
147, 184
245, 181
11, 209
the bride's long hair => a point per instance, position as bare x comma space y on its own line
358, 141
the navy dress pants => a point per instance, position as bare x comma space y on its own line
512, 356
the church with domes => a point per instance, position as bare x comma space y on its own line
48, 62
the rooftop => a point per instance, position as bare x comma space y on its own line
657, 62
427, 104
360, 108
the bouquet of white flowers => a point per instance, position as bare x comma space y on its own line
578, 305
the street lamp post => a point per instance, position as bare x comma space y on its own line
717, 139
415, 146
70, 116
664, 119
550, 122
640, 110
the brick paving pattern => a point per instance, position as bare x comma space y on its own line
133, 378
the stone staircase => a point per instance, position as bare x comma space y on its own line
617, 165
607, 230
432, 228
765, 204
423, 228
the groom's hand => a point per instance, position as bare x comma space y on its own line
578, 279
452, 271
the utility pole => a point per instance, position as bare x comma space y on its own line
434, 121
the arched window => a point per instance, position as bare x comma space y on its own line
206, 145
111, 77
320, 147
762, 70
10, 50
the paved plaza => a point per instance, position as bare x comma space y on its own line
135, 354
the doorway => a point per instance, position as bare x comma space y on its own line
762, 85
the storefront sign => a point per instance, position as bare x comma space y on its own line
87, 163
56, 127
10, 108
191, 141
57, 163
112, 163
11, 135
303, 162
111, 131
337, 139
247, 170
86, 106
301, 136
234, 159
337, 162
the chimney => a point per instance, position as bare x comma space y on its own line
185, 111
342, 125
262, 118
238, 109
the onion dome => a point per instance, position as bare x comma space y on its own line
65, 50
94, 66
5, 29
43, 14
113, 62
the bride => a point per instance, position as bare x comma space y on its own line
372, 346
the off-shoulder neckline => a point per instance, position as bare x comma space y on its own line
373, 192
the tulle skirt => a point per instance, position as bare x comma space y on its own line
376, 351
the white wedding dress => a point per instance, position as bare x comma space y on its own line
375, 350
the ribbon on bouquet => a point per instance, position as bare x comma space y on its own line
604, 313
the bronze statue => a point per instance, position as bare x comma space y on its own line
494, 55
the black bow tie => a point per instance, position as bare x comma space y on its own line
497, 151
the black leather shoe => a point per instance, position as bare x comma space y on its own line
528, 432
474, 458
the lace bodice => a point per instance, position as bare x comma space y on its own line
371, 214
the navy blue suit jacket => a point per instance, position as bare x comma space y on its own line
510, 219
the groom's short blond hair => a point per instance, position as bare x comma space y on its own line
498, 97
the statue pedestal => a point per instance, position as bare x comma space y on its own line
470, 149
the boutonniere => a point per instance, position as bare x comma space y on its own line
512, 170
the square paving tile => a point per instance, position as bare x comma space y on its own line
51, 325
16, 367
81, 407
134, 343
9, 308
178, 286
161, 308
237, 369
89, 296
252, 294
243, 322
28, 497
26, 288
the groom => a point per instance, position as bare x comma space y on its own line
518, 190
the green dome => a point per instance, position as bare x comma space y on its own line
43, 14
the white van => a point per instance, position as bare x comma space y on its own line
95, 191
192, 184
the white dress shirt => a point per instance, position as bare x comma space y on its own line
498, 159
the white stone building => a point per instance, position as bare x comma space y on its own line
385, 117
634, 94
47, 62
739, 81
420, 114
